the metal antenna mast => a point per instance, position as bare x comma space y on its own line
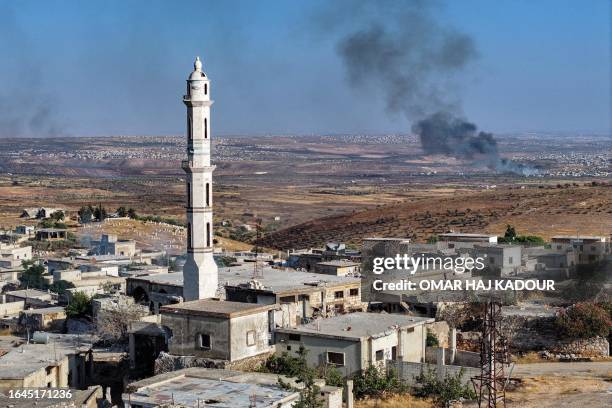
490, 385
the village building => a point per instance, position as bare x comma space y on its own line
589, 249
218, 329
12, 256
51, 234
48, 361
31, 297
192, 387
467, 237
354, 341
338, 268
300, 295
25, 230
306, 259
110, 245
43, 319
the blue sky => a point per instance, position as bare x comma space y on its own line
118, 67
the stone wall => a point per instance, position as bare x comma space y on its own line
168, 362
594, 347
408, 372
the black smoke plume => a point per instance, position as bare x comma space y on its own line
400, 48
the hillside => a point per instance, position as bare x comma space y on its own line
535, 210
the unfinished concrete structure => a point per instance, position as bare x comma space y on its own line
200, 269
217, 329
354, 341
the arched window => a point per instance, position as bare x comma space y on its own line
207, 194
208, 234
205, 128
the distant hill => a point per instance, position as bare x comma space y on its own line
538, 210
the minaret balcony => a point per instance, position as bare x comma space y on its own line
189, 165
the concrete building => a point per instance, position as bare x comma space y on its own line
215, 329
200, 269
12, 256
51, 234
31, 297
25, 230
468, 237
354, 341
300, 295
48, 361
589, 249
500, 260
192, 387
43, 319
308, 258
338, 268
110, 245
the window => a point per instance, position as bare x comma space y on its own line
510, 260
288, 348
294, 337
188, 194
188, 235
394, 353
339, 294
287, 299
207, 194
380, 355
250, 338
208, 234
336, 359
204, 341
354, 292
205, 89
205, 128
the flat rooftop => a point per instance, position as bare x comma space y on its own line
358, 325
211, 388
30, 293
581, 237
45, 310
339, 262
274, 280
215, 308
467, 234
21, 359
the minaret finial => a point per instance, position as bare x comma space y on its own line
197, 65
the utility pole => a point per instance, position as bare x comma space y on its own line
490, 384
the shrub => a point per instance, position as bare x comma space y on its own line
79, 306
375, 382
432, 339
450, 388
583, 321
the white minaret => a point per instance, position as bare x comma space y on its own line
200, 271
